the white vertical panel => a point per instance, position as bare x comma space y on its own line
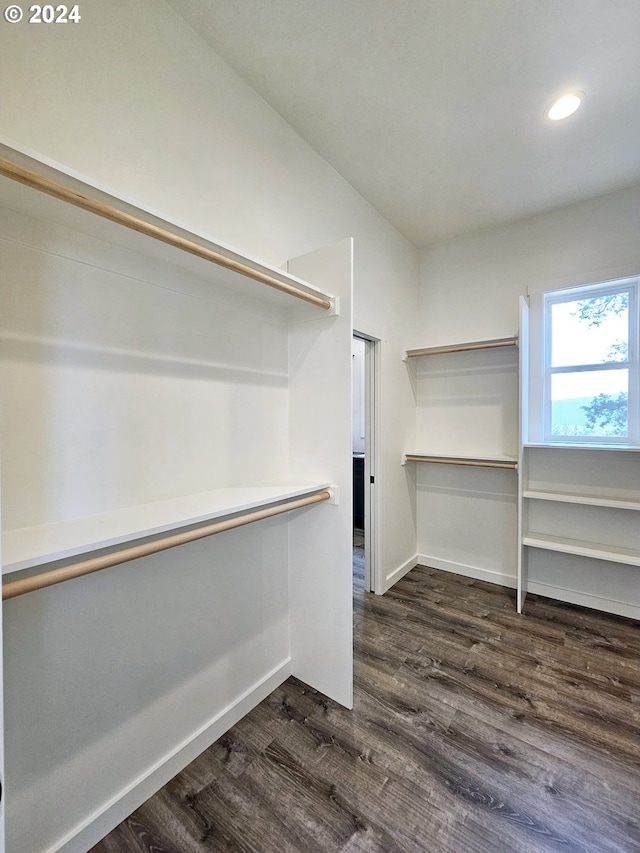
523, 525
320, 543
523, 343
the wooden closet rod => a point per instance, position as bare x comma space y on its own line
46, 185
96, 564
495, 343
453, 460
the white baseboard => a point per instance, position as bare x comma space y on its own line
488, 575
101, 822
585, 599
400, 572
571, 596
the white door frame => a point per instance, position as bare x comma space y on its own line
372, 527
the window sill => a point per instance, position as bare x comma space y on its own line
574, 445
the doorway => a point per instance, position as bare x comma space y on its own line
364, 360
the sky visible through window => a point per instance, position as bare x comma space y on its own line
589, 332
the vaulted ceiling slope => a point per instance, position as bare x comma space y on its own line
434, 109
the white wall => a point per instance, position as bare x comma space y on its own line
132, 100
469, 287
469, 290
95, 393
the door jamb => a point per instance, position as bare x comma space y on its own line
372, 527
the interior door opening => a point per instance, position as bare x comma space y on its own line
364, 422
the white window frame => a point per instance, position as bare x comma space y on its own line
628, 285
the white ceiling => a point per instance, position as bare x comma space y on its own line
433, 109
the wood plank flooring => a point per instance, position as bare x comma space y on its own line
474, 730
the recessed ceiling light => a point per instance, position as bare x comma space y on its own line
564, 106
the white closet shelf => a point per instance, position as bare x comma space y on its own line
596, 550
52, 193
469, 346
28, 547
617, 502
473, 461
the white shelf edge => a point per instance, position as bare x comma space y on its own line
595, 550
29, 547
583, 500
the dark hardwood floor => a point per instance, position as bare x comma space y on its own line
474, 730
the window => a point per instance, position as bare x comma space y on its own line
590, 386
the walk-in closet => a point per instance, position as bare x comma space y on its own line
320, 426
